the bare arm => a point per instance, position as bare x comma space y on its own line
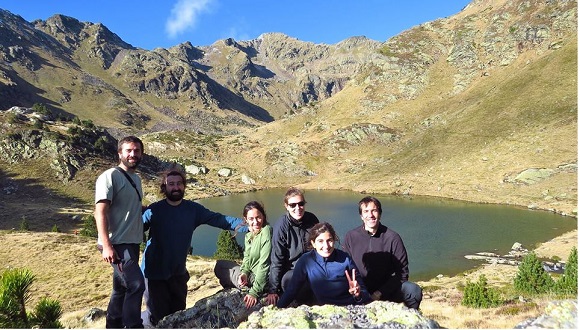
102, 221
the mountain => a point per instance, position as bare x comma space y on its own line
88, 71
480, 106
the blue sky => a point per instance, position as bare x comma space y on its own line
165, 23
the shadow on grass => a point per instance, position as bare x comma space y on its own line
28, 201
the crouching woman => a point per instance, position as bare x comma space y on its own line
331, 272
253, 273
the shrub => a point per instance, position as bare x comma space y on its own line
531, 277
479, 295
74, 131
89, 228
24, 225
15, 293
41, 108
568, 283
55, 229
88, 123
46, 314
101, 144
12, 118
38, 124
227, 247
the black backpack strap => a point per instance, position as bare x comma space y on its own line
130, 180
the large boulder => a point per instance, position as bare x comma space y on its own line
226, 309
376, 315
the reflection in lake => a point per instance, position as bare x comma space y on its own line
438, 233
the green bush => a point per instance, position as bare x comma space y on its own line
568, 283
12, 118
88, 123
89, 228
55, 229
41, 108
479, 295
24, 225
74, 131
46, 314
531, 277
227, 247
15, 293
38, 124
101, 145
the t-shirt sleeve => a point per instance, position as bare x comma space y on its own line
104, 187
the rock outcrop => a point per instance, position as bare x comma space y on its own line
226, 309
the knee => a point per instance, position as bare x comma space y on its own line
137, 285
413, 294
411, 288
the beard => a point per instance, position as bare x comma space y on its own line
175, 195
128, 164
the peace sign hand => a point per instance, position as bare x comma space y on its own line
353, 287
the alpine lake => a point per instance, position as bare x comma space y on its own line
437, 233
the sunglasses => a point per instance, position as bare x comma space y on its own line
293, 205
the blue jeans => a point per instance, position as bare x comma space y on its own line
124, 310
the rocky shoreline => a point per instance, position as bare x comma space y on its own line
514, 258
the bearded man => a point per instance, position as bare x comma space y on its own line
118, 210
171, 223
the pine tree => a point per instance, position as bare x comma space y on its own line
568, 283
227, 247
531, 277
479, 295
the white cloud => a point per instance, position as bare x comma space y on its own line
184, 15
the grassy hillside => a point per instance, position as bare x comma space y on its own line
468, 146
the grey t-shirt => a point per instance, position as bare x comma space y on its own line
125, 223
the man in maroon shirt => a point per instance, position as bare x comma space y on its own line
381, 257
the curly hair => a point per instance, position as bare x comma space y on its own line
173, 170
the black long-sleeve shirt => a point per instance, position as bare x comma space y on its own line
381, 258
289, 242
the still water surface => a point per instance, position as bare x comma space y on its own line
437, 233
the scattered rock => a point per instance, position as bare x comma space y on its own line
248, 180
94, 314
225, 172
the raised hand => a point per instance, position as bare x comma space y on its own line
353, 287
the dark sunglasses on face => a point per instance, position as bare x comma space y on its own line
293, 205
